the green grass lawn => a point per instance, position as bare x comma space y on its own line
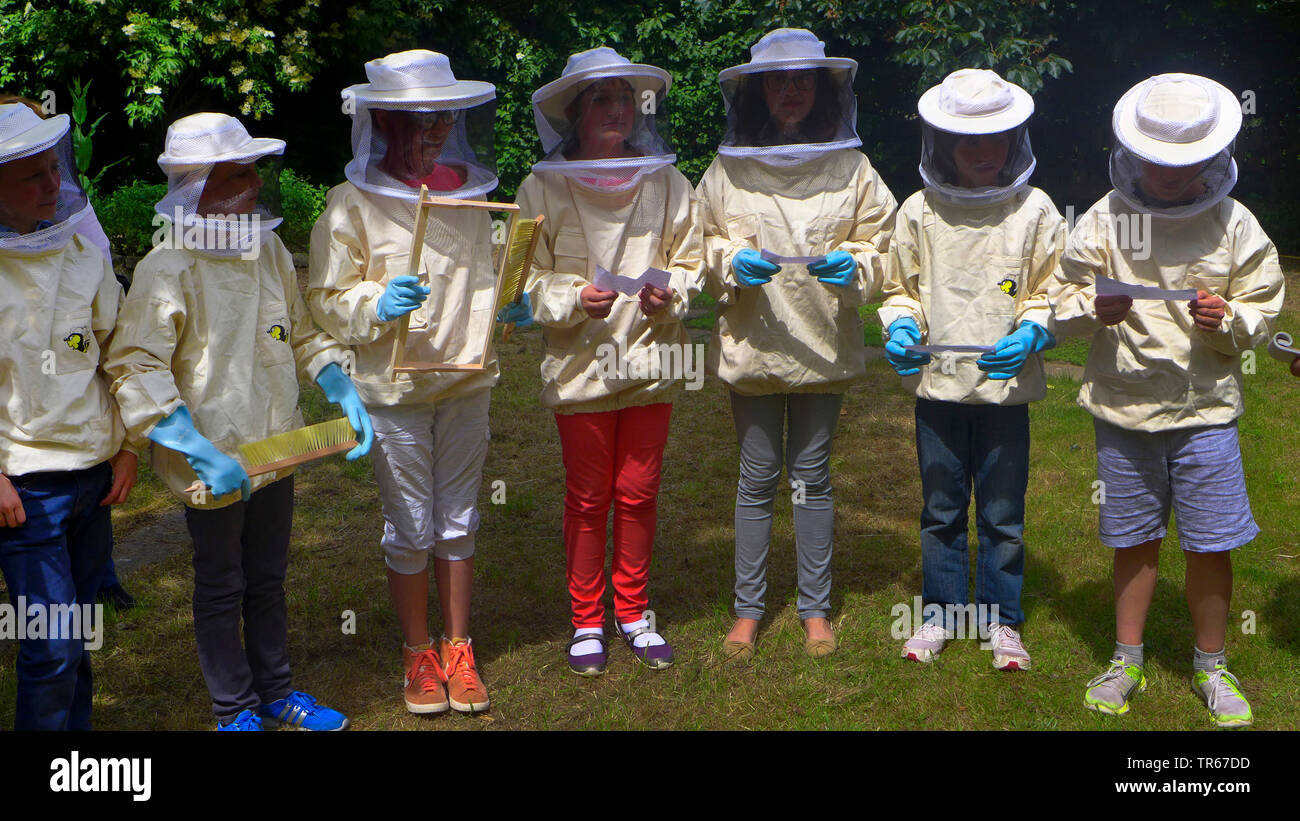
147, 674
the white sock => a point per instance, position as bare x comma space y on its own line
645, 639
586, 648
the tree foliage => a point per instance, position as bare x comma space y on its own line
281, 64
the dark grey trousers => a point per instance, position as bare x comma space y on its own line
761, 427
241, 554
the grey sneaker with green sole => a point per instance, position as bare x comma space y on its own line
1221, 693
1110, 692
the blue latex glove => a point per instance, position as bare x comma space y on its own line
837, 269
215, 469
339, 389
1011, 351
751, 269
403, 295
519, 314
901, 334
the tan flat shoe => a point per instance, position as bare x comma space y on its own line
740, 651
820, 648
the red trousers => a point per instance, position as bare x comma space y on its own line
615, 457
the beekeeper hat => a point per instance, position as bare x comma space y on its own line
788, 50
975, 101
207, 139
1177, 119
416, 79
23, 132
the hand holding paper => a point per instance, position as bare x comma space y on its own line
1207, 310
899, 350
752, 268
836, 268
1012, 351
1112, 308
596, 302
655, 300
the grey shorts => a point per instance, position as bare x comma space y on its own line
1196, 470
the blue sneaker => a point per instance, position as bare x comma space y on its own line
244, 721
301, 710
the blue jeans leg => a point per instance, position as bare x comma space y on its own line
943, 444
110, 575
56, 558
1000, 460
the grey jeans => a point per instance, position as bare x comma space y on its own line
760, 425
241, 554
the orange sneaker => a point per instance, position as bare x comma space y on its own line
464, 688
424, 685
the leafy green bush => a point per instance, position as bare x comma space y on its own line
127, 216
302, 203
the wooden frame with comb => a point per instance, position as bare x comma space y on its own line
399, 363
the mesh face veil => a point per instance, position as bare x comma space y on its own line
415, 124
787, 116
790, 102
602, 123
944, 154
223, 191
397, 148
41, 199
1174, 136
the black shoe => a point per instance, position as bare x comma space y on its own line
115, 597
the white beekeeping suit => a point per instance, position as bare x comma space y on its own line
413, 123
1172, 169
788, 179
58, 306
214, 320
624, 213
969, 263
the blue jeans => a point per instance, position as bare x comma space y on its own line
56, 558
958, 445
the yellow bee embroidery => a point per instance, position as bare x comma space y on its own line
77, 342
278, 332
1008, 286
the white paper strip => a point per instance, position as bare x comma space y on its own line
1113, 287
1282, 348
780, 260
606, 281
948, 348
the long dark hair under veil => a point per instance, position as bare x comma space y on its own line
754, 125
945, 143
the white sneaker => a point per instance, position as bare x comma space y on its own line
1008, 651
926, 643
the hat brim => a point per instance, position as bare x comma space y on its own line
789, 64
42, 136
1124, 122
254, 149
1022, 106
557, 94
460, 94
